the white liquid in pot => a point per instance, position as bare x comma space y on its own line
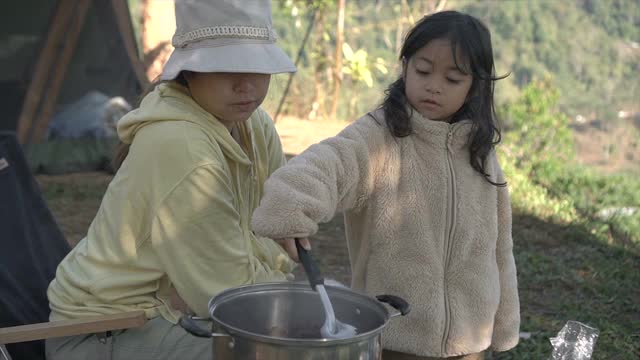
333, 328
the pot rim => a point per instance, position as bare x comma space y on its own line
252, 288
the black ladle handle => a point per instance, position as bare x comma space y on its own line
310, 266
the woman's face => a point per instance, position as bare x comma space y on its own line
433, 83
230, 97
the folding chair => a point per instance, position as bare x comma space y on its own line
31, 247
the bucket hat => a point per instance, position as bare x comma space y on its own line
234, 36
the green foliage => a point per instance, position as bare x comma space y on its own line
610, 200
566, 272
537, 133
574, 263
366, 80
585, 45
618, 17
537, 156
529, 197
359, 67
594, 191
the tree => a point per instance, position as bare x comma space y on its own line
337, 69
157, 24
537, 134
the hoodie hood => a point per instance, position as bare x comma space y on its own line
172, 102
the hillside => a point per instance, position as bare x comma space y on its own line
588, 48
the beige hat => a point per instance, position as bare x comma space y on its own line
225, 36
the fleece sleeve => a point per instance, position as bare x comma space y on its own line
200, 243
331, 176
507, 319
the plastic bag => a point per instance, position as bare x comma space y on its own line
574, 342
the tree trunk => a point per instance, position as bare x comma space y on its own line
317, 105
157, 24
400, 28
144, 22
337, 70
435, 6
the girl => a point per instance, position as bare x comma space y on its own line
427, 211
173, 227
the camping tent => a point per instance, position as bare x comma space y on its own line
31, 246
54, 52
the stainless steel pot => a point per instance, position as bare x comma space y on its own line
281, 321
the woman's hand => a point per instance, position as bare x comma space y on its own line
289, 245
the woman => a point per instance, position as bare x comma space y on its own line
173, 227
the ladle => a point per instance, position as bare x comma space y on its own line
332, 328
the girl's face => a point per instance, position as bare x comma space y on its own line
230, 97
433, 84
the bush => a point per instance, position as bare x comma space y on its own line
537, 159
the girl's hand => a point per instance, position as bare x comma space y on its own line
289, 245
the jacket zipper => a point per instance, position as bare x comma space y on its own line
449, 238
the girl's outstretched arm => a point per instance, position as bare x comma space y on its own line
334, 175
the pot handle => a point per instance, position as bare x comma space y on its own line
397, 303
187, 323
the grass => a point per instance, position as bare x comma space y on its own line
74, 200
567, 273
69, 192
574, 266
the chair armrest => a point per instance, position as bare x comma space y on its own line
60, 328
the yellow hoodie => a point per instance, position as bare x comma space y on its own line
177, 212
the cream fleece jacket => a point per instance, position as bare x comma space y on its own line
177, 213
420, 223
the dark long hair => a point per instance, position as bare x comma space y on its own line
122, 149
472, 39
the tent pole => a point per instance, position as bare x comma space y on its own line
73, 33
123, 18
42, 71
